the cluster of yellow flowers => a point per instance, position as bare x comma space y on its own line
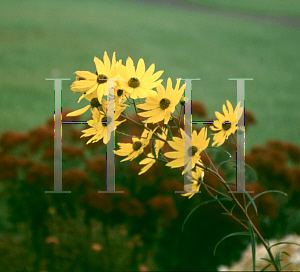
159, 106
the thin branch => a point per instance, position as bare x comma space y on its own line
180, 117
158, 137
225, 208
137, 113
130, 135
245, 212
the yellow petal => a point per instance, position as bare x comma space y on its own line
230, 109
225, 111
99, 66
140, 68
149, 72
79, 112
87, 75
176, 163
151, 112
220, 116
130, 68
106, 61
174, 155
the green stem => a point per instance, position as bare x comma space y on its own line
245, 212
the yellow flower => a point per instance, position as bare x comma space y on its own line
160, 106
94, 103
199, 143
138, 83
120, 94
197, 177
226, 124
90, 83
137, 146
99, 125
157, 147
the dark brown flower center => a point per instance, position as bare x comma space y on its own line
136, 145
226, 125
101, 79
104, 121
164, 103
192, 150
133, 82
95, 102
119, 92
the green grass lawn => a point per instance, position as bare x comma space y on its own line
42, 39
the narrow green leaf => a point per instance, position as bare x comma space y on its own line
246, 220
235, 166
250, 198
232, 234
278, 257
282, 243
153, 150
270, 191
266, 267
286, 266
253, 244
225, 213
224, 162
169, 131
232, 208
220, 149
252, 170
203, 203
270, 261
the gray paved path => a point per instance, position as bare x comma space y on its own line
268, 19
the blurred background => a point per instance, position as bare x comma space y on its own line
141, 230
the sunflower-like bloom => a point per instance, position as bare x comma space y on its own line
197, 177
137, 146
160, 106
94, 102
199, 143
120, 94
226, 124
99, 124
157, 147
88, 82
138, 83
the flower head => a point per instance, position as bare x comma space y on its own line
199, 143
226, 124
138, 83
120, 94
197, 177
137, 146
99, 125
151, 159
160, 106
88, 83
94, 103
